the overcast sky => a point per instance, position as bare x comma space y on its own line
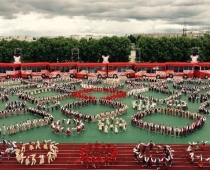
110, 17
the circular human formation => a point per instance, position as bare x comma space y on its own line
107, 121
68, 127
34, 100
113, 125
27, 89
163, 129
43, 120
83, 93
48, 118
195, 151
25, 153
68, 109
158, 156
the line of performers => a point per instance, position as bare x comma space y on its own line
47, 105
147, 160
83, 93
120, 110
168, 100
31, 81
84, 85
62, 79
4, 97
195, 147
193, 81
160, 87
42, 89
97, 154
143, 104
12, 112
10, 81
136, 91
70, 85
66, 89
26, 125
199, 121
147, 79
63, 89
94, 81
113, 125
12, 148
30, 158
46, 116
14, 105
137, 85
63, 127
114, 83
68, 111
34, 100
111, 81
204, 107
18, 88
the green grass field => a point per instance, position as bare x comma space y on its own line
92, 134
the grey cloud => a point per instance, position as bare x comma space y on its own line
170, 11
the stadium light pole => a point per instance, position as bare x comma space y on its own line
138, 54
75, 54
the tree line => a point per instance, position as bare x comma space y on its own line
172, 49
118, 48
60, 49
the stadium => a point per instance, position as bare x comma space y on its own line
78, 92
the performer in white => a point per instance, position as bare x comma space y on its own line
105, 58
17, 59
194, 58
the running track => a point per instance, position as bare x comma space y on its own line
68, 158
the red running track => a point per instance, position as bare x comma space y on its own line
69, 158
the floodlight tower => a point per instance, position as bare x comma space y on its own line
75, 55
184, 34
138, 55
